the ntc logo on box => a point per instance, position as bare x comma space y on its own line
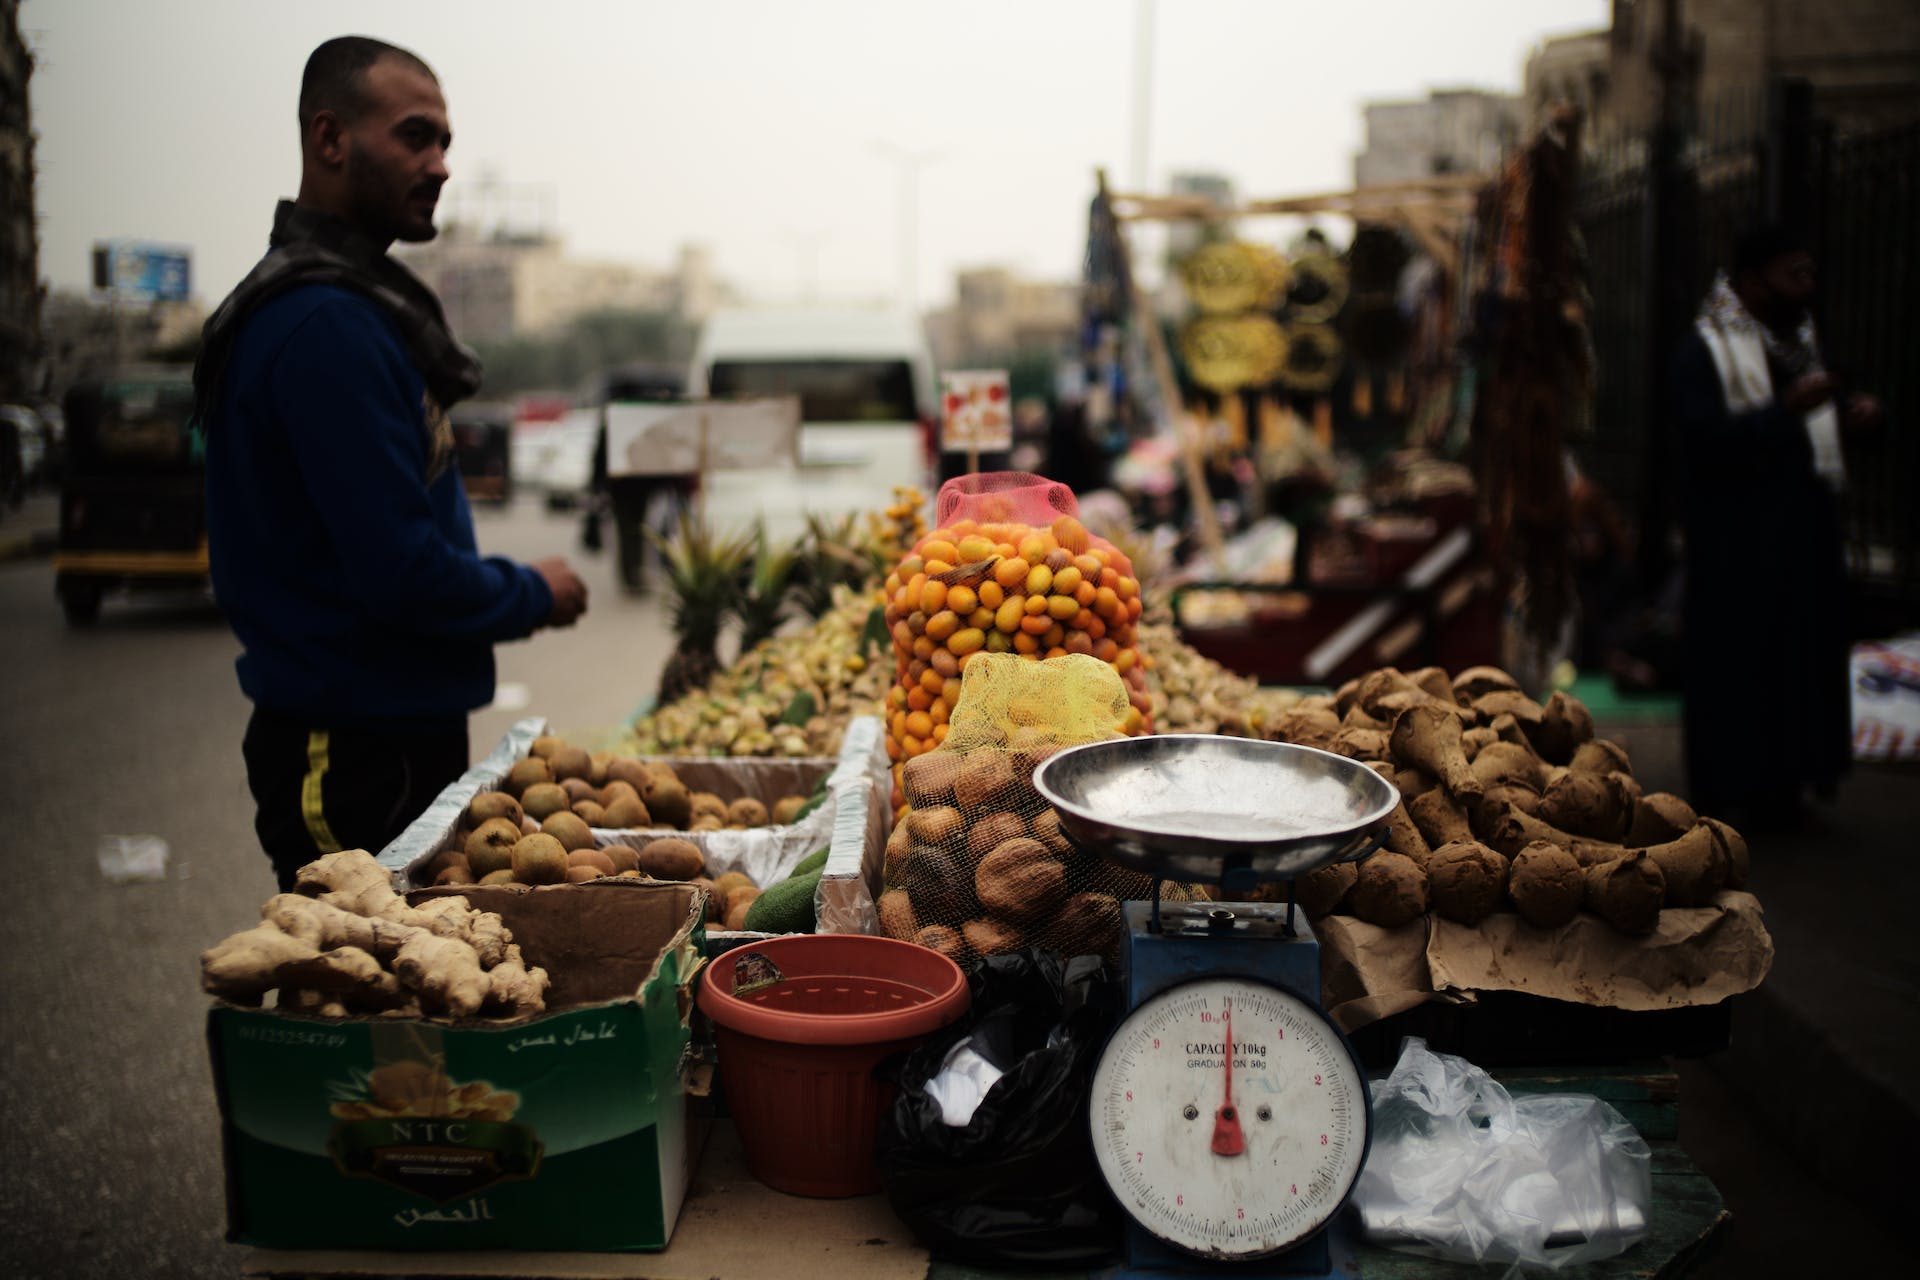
439, 1159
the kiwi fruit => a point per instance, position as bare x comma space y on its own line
597, 770
715, 901
590, 812
737, 907
630, 771
747, 812
546, 744
672, 859
582, 874
579, 789
897, 918
731, 883
527, 825
623, 857
490, 847
615, 789
454, 875
594, 858
569, 829
941, 884
502, 876
669, 802
985, 784
935, 826
525, 773
571, 762
539, 859
706, 822
626, 813
492, 804
705, 802
786, 810
543, 800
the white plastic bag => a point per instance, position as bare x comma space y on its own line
1462, 1170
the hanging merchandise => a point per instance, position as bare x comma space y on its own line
1226, 353
1316, 288
1534, 366
1313, 358
1231, 276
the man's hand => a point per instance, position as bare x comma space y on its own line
1809, 391
569, 593
1861, 412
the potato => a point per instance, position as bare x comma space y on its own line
992, 937
1602, 755
1467, 880
672, 859
1404, 837
935, 826
928, 779
1018, 880
1739, 861
1586, 804
1047, 830
1390, 890
937, 937
940, 881
1546, 885
994, 829
986, 784
1438, 818
1659, 817
1087, 920
1695, 866
897, 919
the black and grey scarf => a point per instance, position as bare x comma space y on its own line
308, 247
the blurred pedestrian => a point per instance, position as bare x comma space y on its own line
1760, 419
342, 546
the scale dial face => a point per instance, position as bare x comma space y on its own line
1229, 1144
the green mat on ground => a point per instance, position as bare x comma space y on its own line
1609, 704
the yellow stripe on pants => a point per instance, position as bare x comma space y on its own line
311, 806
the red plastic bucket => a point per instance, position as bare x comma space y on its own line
797, 1058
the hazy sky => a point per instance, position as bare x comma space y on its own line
752, 126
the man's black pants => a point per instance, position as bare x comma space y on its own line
318, 789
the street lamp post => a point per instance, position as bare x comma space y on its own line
908, 163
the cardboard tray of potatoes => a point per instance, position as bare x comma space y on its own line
852, 822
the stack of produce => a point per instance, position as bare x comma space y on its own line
1191, 693
344, 943
977, 864
1506, 803
971, 587
789, 696
538, 829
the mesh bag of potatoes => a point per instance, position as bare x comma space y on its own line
1009, 569
978, 865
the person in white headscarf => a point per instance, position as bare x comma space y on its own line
1761, 421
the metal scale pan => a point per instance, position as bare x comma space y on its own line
1204, 809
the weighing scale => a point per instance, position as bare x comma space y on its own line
1230, 1117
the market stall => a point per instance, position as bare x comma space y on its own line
1023, 837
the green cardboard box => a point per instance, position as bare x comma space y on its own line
568, 1131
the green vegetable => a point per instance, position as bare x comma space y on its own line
812, 862
786, 907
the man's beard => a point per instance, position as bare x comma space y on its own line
380, 209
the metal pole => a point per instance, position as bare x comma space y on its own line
910, 163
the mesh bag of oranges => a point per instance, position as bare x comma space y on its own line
978, 864
1008, 569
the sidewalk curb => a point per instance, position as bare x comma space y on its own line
37, 545
1852, 1129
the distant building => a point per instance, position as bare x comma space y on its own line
83, 332
504, 284
1862, 58
997, 314
20, 348
1450, 131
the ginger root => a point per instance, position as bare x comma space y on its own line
348, 942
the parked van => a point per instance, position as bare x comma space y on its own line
865, 382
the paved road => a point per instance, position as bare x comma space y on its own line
109, 1151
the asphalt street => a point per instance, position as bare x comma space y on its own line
109, 1149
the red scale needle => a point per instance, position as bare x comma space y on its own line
1228, 1140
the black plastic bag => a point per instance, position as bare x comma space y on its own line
1018, 1184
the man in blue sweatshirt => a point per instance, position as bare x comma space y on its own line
341, 543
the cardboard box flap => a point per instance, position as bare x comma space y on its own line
598, 942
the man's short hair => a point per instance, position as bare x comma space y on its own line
1762, 243
336, 76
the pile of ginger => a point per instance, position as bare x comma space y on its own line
344, 943
1505, 802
